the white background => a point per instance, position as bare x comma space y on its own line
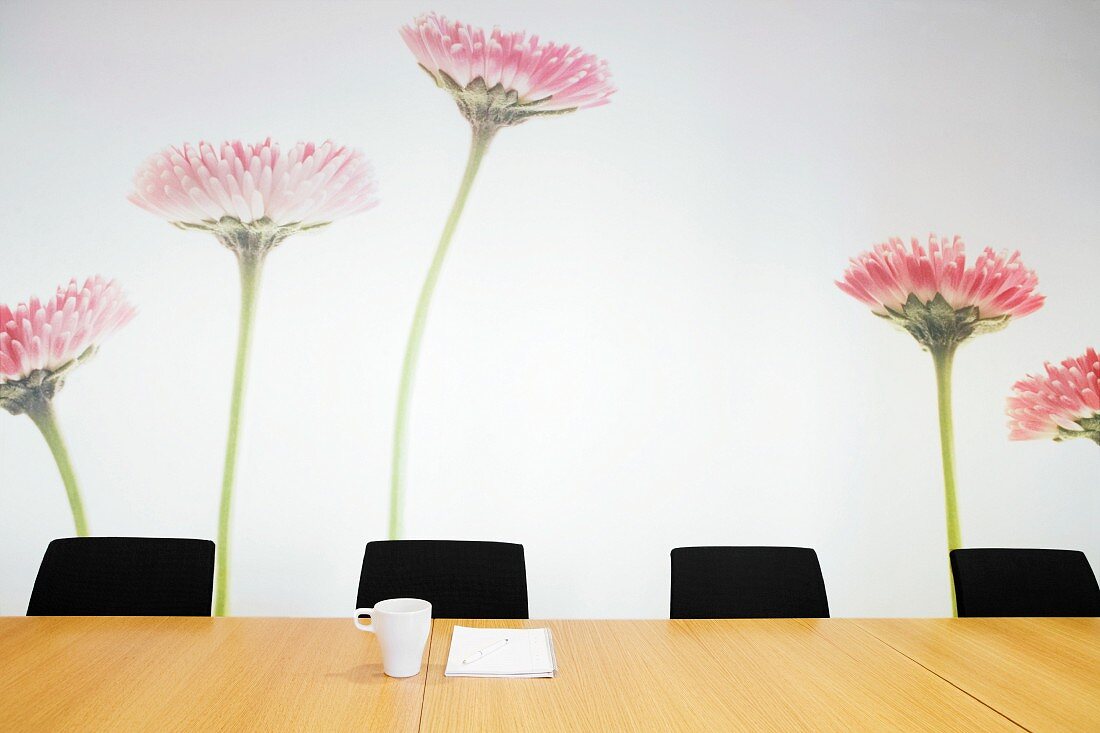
636, 343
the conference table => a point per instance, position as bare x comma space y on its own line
274, 674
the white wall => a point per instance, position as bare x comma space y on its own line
637, 342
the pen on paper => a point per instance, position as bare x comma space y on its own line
485, 652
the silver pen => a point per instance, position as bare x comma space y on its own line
485, 652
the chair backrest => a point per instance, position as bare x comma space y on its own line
1020, 582
460, 579
747, 582
124, 576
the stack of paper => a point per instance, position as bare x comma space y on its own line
526, 653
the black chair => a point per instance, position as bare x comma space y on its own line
460, 579
124, 576
747, 582
1007, 582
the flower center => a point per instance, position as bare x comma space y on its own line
1090, 428
22, 395
253, 239
935, 324
492, 107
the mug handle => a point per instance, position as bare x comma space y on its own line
364, 612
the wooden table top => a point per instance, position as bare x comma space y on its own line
730, 675
1042, 673
198, 674
270, 674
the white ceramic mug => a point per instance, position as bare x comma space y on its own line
402, 626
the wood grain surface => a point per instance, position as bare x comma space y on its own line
237, 674
198, 674
729, 675
1043, 673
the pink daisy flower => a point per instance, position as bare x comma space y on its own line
941, 301
40, 343
504, 78
935, 295
197, 186
37, 336
497, 79
251, 198
1063, 403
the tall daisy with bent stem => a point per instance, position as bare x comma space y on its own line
251, 198
1061, 404
498, 79
40, 344
941, 301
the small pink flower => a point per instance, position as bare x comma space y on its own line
934, 295
1063, 403
517, 71
40, 343
997, 283
47, 336
310, 185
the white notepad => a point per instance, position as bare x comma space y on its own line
528, 653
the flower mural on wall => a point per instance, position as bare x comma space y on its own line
942, 302
1061, 404
251, 198
497, 79
40, 344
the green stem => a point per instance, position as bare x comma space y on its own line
41, 412
251, 265
943, 358
479, 144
